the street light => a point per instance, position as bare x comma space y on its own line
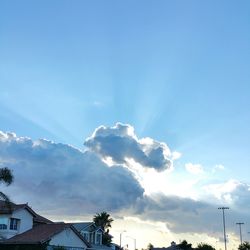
240, 223
224, 227
124, 231
134, 241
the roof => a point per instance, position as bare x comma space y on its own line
9, 208
40, 219
82, 225
43, 233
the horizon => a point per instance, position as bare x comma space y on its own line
137, 108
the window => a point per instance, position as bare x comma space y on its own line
3, 226
98, 239
86, 236
13, 223
3, 223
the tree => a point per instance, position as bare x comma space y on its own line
150, 246
6, 177
185, 246
244, 246
103, 220
204, 246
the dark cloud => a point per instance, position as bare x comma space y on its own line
57, 176
180, 214
183, 215
120, 143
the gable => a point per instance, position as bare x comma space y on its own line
25, 217
67, 238
99, 230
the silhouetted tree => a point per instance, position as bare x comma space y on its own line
204, 246
244, 246
6, 177
185, 246
104, 221
150, 246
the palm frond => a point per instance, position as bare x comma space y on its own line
6, 176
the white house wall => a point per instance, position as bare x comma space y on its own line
5, 233
26, 223
67, 238
26, 218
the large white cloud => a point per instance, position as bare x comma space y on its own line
119, 143
232, 193
62, 180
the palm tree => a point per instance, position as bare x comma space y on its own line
6, 177
103, 220
244, 246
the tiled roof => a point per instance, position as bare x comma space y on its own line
40, 219
42, 233
11, 207
7, 208
39, 234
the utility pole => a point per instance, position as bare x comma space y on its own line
240, 223
224, 226
124, 231
133, 240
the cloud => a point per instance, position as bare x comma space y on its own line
180, 215
232, 192
185, 215
176, 155
56, 176
218, 167
63, 180
119, 143
194, 168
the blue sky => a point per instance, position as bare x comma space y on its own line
176, 71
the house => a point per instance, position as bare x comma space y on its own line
20, 225
94, 235
90, 232
16, 219
50, 235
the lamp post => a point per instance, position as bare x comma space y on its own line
134, 241
224, 226
121, 237
240, 223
